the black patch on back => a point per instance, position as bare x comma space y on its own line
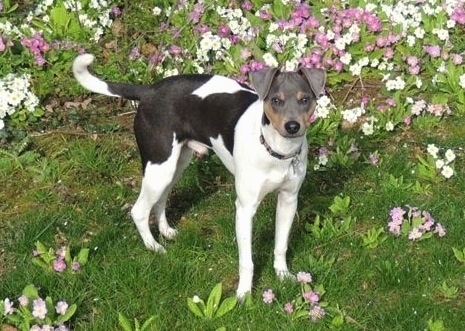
170, 107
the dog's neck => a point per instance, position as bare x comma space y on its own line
278, 146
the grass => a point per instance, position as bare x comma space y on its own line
77, 189
75, 184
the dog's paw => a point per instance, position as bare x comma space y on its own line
242, 295
284, 274
154, 246
169, 233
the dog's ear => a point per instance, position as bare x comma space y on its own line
261, 81
316, 78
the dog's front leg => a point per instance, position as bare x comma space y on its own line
285, 212
245, 211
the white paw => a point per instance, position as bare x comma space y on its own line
284, 274
242, 294
169, 233
154, 246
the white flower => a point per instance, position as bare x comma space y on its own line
439, 163
395, 84
352, 115
270, 60
346, 58
196, 299
367, 128
447, 171
462, 81
433, 150
61, 307
389, 126
323, 107
450, 155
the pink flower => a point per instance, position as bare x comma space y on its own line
75, 266
39, 310
457, 59
415, 234
59, 265
458, 15
440, 230
61, 252
311, 297
304, 277
247, 5
433, 50
23, 300
317, 313
268, 296
394, 228
374, 159
61, 307
407, 120
289, 308
175, 50
397, 215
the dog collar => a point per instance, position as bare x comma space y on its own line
275, 154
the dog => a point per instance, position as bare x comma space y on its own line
259, 134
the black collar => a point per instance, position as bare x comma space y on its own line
275, 154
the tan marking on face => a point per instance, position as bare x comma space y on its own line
274, 117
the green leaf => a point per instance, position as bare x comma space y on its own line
226, 306
41, 249
124, 322
147, 323
136, 325
213, 300
459, 254
31, 292
194, 308
337, 321
83, 256
69, 313
38, 262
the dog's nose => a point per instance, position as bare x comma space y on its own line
292, 127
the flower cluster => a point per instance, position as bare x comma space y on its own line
15, 95
32, 312
59, 260
37, 46
306, 304
443, 165
414, 223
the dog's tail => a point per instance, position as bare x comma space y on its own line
95, 84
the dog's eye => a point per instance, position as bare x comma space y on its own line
275, 101
304, 100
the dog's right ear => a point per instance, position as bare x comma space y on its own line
261, 81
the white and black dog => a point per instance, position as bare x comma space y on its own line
259, 136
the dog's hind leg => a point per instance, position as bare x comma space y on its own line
157, 181
159, 209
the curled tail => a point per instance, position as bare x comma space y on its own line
95, 84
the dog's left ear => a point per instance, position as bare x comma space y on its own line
316, 78
261, 81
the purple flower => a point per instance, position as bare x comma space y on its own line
135, 53
317, 313
433, 50
311, 297
175, 50
59, 264
397, 215
268, 296
289, 308
39, 310
374, 159
304, 277
247, 5
223, 30
116, 11
458, 15
61, 252
75, 266
196, 14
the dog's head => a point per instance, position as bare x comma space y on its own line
289, 98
